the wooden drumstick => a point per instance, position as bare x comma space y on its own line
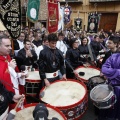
18, 104
43, 92
12, 113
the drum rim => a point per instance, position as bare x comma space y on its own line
77, 103
33, 81
84, 80
89, 80
47, 105
105, 99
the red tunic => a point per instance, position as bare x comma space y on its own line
5, 76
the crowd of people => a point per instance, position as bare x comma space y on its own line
56, 56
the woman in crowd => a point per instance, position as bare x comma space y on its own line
73, 58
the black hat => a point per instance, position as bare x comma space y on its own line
40, 111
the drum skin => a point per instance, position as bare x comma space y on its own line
89, 71
32, 83
72, 111
103, 96
27, 112
94, 81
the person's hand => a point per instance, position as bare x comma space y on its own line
76, 73
64, 77
32, 45
101, 74
24, 74
16, 98
28, 53
13, 63
47, 83
86, 65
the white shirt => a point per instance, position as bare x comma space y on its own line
61, 46
15, 79
38, 50
21, 45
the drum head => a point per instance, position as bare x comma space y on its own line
27, 113
33, 75
100, 92
89, 72
64, 93
97, 80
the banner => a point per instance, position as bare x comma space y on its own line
33, 10
67, 14
93, 20
10, 14
78, 24
61, 18
52, 17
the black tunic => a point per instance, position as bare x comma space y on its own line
50, 60
74, 59
96, 47
23, 60
5, 98
37, 43
85, 51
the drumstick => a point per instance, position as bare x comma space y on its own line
12, 113
43, 93
18, 104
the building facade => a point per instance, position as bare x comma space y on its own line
109, 11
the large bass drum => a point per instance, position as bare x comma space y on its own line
27, 112
69, 96
32, 83
89, 72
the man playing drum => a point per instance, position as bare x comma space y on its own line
51, 61
111, 69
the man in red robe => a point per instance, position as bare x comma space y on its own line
8, 76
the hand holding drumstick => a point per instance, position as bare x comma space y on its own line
19, 99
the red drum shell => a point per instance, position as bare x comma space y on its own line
32, 83
48, 106
80, 69
76, 110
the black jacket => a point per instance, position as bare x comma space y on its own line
23, 60
96, 47
16, 45
50, 60
5, 98
73, 57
